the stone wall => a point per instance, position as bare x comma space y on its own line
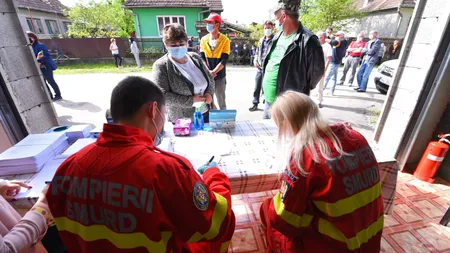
19, 70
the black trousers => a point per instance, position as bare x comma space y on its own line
117, 58
50, 80
258, 87
52, 242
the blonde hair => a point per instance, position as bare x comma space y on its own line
301, 128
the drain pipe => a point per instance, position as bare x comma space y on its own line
136, 17
400, 20
409, 39
201, 12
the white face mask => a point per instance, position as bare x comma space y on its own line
268, 32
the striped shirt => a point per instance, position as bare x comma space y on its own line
192, 73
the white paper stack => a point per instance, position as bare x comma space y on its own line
38, 181
76, 132
77, 146
30, 154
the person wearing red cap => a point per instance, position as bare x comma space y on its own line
215, 50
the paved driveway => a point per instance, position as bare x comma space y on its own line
86, 97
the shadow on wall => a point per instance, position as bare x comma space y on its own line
81, 106
67, 120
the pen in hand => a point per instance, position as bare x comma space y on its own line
210, 160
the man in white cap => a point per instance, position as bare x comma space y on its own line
339, 45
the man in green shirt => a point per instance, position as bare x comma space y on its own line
295, 61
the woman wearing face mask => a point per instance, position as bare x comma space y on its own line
182, 76
46, 64
330, 197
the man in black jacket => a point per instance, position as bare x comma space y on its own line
295, 60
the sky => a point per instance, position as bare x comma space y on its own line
243, 11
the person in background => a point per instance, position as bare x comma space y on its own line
115, 52
137, 197
381, 53
330, 34
327, 53
245, 54
135, 51
320, 207
182, 76
236, 54
371, 53
260, 56
394, 50
190, 44
295, 58
215, 51
47, 65
21, 234
353, 58
339, 49
252, 55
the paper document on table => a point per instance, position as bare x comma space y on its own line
38, 182
77, 146
207, 143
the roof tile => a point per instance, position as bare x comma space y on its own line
42, 5
215, 5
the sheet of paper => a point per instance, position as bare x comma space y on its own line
77, 146
207, 143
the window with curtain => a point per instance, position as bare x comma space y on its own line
164, 20
52, 26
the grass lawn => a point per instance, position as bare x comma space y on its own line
100, 68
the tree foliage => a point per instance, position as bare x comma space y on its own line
257, 31
97, 19
319, 14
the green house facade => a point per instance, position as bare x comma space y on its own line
152, 15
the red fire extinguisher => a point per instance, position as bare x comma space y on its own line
432, 159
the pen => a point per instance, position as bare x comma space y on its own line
210, 160
48, 182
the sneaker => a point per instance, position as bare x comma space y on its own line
253, 108
341, 83
350, 85
57, 98
320, 105
360, 91
357, 88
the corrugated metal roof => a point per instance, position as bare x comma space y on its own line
42, 5
214, 5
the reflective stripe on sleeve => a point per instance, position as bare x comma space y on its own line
225, 247
121, 241
363, 236
350, 204
220, 212
298, 221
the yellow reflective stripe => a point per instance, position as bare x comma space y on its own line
363, 236
225, 247
350, 204
121, 241
295, 220
220, 212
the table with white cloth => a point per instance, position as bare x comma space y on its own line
251, 165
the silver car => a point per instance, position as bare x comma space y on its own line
385, 75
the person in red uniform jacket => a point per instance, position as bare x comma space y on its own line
330, 197
123, 194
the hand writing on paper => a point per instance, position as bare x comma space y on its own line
202, 169
11, 189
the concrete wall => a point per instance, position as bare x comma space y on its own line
418, 58
19, 69
389, 23
43, 16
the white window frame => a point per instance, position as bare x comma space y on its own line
49, 27
160, 33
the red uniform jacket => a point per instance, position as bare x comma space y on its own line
337, 207
122, 194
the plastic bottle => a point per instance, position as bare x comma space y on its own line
199, 122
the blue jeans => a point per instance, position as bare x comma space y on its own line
364, 74
266, 113
332, 73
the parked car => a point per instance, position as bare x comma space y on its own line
385, 75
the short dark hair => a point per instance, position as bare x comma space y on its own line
174, 32
32, 35
131, 94
330, 28
269, 22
